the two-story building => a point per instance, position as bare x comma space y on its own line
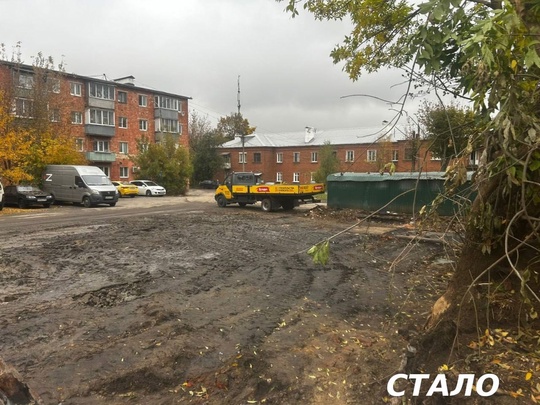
105, 118
294, 157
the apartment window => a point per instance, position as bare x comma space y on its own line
143, 125
101, 117
166, 103
24, 107
76, 117
123, 148
296, 157
105, 170
122, 97
279, 177
101, 146
167, 125
408, 155
371, 155
279, 157
55, 85
100, 90
349, 156
143, 100
54, 115
242, 157
26, 81
433, 156
122, 122
395, 155
312, 177
296, 177
75, 89
474, 158
314, 157
79, 144
124, 172
257, 157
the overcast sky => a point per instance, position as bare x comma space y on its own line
199, 48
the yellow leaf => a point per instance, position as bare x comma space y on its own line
528, 376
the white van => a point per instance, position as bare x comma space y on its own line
86, 185
1, 197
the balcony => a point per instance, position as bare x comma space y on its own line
100, 156
100, 130
160, 136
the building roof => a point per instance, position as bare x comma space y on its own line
313, 137
125, 82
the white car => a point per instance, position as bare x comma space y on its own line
1, 197
149, 188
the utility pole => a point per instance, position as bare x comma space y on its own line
242, 135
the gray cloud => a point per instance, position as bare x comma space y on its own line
198, 48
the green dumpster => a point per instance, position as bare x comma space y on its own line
409, 192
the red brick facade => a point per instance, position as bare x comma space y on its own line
107, 118
298, 163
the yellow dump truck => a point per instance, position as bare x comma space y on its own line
244, 188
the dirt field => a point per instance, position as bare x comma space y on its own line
216, 307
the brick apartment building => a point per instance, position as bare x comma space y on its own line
293, 157
104, 117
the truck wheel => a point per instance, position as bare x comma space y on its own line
267, 205
221, 201
86, 202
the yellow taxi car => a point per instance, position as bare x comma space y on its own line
126, 189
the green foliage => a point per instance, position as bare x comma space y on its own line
233, 125
329, 163
167, 164
450, 129
204, 149
486, 51
320, 252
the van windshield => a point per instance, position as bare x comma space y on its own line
96, 180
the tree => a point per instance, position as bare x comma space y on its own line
34, 121
166, 163
487, 51
449, 129
204, 144
234, 125
329, 163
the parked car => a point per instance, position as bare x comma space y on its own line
1, 197
25, 196
209, 184
126, 189
149, 188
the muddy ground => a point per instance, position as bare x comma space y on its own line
218, 306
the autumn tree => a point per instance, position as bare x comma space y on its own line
449, 129
487, 51
166, 163
204, 142
34, 120
234, 125
329, 163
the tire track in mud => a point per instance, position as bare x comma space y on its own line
157, 301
